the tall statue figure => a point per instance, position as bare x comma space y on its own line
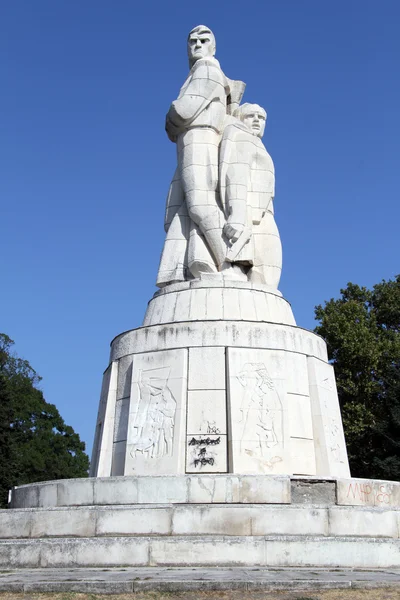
247, 187
194, 217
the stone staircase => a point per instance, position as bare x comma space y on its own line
220, 520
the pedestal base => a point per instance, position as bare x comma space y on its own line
219, 397
194, 520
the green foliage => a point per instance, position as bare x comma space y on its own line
35, 443
362, 330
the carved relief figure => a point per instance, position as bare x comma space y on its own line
154, 420
247, 186
260, 412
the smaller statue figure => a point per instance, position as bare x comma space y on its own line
247, 187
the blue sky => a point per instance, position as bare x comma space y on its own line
85, 163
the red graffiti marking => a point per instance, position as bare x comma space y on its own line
363, 491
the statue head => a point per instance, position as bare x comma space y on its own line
253, 116
200, 44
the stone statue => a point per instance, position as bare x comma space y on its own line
247, 187
195, 121
219, 214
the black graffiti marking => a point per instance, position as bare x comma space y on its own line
204, 461
204, 442
212, 428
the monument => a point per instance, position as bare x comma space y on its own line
219, 379
219, 438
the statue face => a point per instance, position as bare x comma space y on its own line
201, 43
255, 120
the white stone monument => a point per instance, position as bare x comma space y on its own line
219, 439
219, 379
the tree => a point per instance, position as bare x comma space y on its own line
35, 443
362, 330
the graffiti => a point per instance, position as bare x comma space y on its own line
261, 413
154, 419
368, 493
204, 442
202, 459
335, 447
203, 452
212, 428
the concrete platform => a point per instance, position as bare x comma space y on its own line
128, 580
201, 551
202, 521
199, 520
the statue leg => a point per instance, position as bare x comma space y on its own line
267, 265
200, 259
173, 263
198, 164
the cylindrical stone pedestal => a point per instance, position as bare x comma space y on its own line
228, 385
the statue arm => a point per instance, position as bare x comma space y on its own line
269, 204
206, 84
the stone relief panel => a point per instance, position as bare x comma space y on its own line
154, 420
261, 409
331, 450
157, 413
258, 411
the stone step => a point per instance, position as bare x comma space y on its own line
130, 580
201, 520
196, 551
175, 489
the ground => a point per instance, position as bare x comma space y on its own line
339, 594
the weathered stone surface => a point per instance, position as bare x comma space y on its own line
240, 334
367, 522
231, 519
330, 445
313, 491
229, 301
160, 490
75, 492
101, 462
137, 521
211, 550
115, 490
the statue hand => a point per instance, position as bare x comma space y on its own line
233, 231
171, 129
